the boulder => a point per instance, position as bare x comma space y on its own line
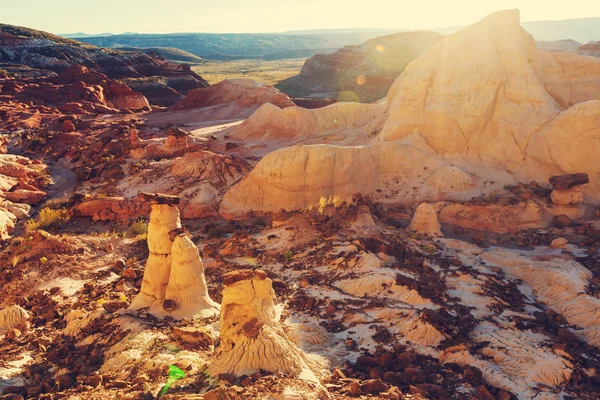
425, 221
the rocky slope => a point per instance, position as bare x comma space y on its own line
31, 103
590, 49
359, 73
533, 113
52, 54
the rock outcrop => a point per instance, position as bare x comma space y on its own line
237, 98
590, 49
13, 317
359, 73
425, 221
252, 338
27, 103
566, 189
20, 187
304, 176
341, 122
174, 282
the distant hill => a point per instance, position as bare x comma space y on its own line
358, 73
82, 35
170, 53
230, 46
213, 45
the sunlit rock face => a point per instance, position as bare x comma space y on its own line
425, 221
186, 292
483, 100
13, 317
174, 282
252, 338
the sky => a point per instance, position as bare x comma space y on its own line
245, 16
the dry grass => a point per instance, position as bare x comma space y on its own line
269, 72
47, 218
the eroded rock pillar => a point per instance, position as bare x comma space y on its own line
164, 218
252, 338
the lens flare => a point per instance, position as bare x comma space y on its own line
348, 96
380, 48
361, 79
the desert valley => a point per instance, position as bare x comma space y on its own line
317, 215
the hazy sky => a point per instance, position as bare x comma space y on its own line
163, 16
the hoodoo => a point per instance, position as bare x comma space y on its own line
252, 338
425, 221
174, 282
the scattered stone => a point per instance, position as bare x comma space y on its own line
562, 220
559, 242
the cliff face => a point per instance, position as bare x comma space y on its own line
359, 73
51, 54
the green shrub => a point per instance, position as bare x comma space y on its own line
47, 219
288, 255
138, 229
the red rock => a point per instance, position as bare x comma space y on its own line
68, 126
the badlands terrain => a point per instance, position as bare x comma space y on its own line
163, 237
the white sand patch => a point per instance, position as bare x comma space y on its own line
517, 362
68, 286
10, 375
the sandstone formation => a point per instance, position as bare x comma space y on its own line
566, 189
110, 208
303, 176
13, 317
533, 113
359, 73
252, 338
174, 282
425, 221
238, 98
174, 145
343, 122
187, 294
